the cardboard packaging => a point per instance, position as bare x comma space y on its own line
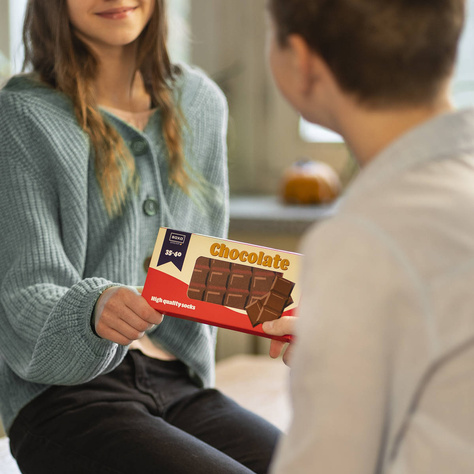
233, 285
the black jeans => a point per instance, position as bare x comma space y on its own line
146, 416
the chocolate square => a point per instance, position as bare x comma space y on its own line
218, 278
262, 280
240, 281
200, 276
196, 293
253, 310
267, 314
235, 299
219, 264
214, 296
282, 286
275, 301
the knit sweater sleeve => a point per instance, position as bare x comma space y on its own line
45, 304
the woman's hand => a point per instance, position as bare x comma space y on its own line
122, 315
280, 327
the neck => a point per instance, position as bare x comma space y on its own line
118, 85
368, 132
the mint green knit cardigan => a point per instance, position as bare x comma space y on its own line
59, 249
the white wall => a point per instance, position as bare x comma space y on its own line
11, 21
4, 38
17, 13
229, 44
464, 77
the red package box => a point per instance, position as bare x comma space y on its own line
233, 285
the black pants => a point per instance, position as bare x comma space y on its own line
146, 416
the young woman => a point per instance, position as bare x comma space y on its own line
100, 145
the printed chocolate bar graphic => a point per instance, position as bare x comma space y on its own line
271, 306
242, 287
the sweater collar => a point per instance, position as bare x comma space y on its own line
447, 135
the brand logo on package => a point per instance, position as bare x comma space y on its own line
175, 246
177, 238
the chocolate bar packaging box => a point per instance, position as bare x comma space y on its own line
221, 282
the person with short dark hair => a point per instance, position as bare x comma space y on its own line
383, 356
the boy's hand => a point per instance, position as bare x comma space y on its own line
121, 315
280, 327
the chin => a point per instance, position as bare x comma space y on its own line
318, 119
120, 36
122, 40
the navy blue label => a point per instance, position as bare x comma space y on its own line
174, 248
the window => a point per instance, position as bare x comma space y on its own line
463, 85
179, 30
309, 132
11, 22
4, 67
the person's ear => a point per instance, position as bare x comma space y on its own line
302, 63
308, 65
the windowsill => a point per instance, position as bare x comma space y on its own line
268, 214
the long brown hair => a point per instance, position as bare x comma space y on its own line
64, 62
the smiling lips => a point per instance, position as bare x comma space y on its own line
116, 13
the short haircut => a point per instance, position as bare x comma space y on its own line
385, 52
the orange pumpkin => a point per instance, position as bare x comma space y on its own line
310, 182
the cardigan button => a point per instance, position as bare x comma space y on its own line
139, 146
150, 206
